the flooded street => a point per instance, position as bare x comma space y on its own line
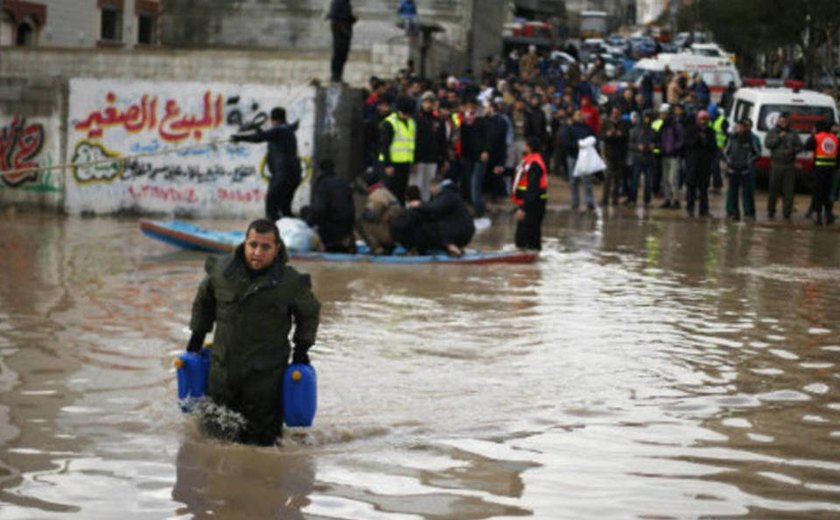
642, 368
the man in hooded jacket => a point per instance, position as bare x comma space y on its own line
332, 210
253, 297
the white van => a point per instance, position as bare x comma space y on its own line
763, 106
716, 72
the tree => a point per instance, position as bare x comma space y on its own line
752, 27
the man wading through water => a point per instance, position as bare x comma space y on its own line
253, 297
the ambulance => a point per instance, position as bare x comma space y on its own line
763, 105
717, 72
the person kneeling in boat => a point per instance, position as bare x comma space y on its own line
332, 211
380, 209
530, 193
253, 297
446, 220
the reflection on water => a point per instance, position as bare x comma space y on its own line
642, 368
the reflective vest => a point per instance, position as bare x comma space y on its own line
826, 153
720, 135
657, 127
520, 183
456, 145
402, 144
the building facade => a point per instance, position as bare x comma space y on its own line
80, 23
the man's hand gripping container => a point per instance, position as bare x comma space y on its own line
192, 369
300, 395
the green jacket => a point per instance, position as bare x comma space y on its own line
783, 150
253, 318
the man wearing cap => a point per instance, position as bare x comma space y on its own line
397, 135
783, 145
426, 146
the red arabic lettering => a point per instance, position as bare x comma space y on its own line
175, 126
237, 195
146, 191
19, 145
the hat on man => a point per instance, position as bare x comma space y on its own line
405, 105
664, 107
428, 96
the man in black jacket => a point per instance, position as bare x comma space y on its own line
426, 154
530, 194
700, 150
446, 219
341, 22
283, 163
332, 210
493, 154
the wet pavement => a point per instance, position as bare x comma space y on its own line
649, 365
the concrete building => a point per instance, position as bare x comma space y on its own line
79, 23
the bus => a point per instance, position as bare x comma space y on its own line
593, 24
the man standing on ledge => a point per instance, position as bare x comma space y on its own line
283, 163
341, 21
253, 298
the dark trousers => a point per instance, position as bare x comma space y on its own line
529, 230
697, 190
821, 198
398, 182
717, 175
782, 182
612, 182
278, 200
657, 175
741, 181
642, 166
257, 398
342, 32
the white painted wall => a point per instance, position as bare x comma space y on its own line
160, 133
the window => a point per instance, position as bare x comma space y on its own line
111, 27
742, 109
803, 119
146, 29
24, 36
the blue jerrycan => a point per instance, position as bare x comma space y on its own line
300, 395
192, 369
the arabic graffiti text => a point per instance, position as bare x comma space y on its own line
173, 124
20, 145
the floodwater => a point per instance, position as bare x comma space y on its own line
642, 369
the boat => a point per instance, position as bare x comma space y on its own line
187, 235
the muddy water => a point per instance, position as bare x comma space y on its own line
640, 369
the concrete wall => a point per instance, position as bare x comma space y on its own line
266, 67
118, 80
31, 136
301, 24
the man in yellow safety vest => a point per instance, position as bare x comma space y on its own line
397, 134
